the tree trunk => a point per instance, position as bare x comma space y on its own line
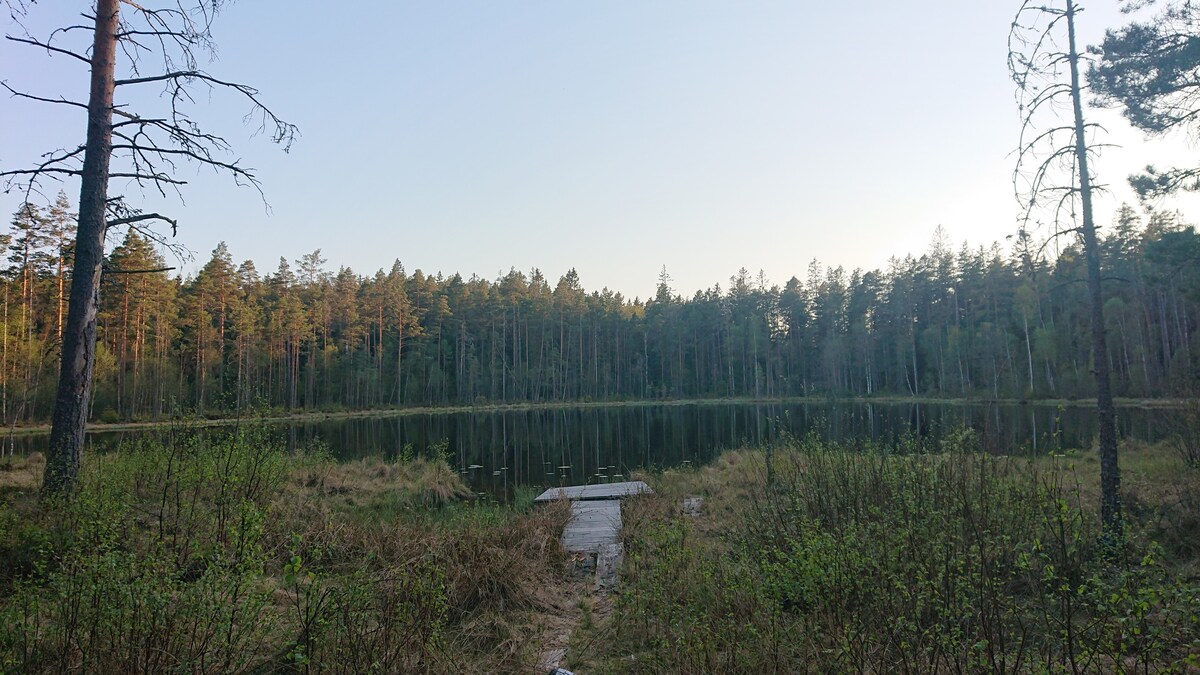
1110, 472
59, 322
65, 453
1028, 351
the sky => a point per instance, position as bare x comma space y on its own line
612, 137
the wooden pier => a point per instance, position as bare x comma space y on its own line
595, 513
591, 535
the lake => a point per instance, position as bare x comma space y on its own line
498, 450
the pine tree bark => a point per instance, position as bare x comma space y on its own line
1110, 472
71, 403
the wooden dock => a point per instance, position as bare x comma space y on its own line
592, 536
594, 492
595, 513
592, 525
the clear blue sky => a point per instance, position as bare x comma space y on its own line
614, 137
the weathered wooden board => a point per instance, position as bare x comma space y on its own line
608, 562
599, 491
593, 524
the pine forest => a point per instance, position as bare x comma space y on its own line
997, 322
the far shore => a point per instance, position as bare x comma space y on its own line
315, 415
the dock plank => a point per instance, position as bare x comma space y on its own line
594, 492
593, 524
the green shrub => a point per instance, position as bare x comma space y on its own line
878, 562
155, 564
203, 550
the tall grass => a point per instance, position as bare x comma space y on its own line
1183, 426
955, 561
224, 553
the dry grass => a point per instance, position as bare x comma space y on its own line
745, 561
1160, 494
363, 565
374, 488
21, 474
501, 569
1158, 490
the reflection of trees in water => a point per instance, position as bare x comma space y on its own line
615, 440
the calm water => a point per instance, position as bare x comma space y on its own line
503, 449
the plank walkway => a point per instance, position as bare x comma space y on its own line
593, 492
593, 524
595, 513
593, 531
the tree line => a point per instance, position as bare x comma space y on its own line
980, 322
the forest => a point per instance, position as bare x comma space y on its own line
986, 322
244, 548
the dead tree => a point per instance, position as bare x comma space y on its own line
1053, 178
142, 148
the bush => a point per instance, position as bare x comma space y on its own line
1184, 429
954, 561
207, 550
155, 562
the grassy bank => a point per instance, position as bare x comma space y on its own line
864, 560
233, 556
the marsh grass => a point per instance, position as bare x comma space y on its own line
873, 561
21, 473
225, 553
1183, 425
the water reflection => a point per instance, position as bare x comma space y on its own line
498, 450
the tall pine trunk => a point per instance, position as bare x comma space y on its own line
1110, 472
65, 453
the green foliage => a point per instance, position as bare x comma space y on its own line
1184, 426
685, 611
222, 553
983, 322
953, 561
156, 562
367, 620
1148, 70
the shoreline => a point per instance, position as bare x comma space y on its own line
317, 415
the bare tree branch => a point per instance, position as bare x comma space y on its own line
1047, 76
142, 217
60, 100
110, 270
39, 171
157, 178
283, 133
48, 47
